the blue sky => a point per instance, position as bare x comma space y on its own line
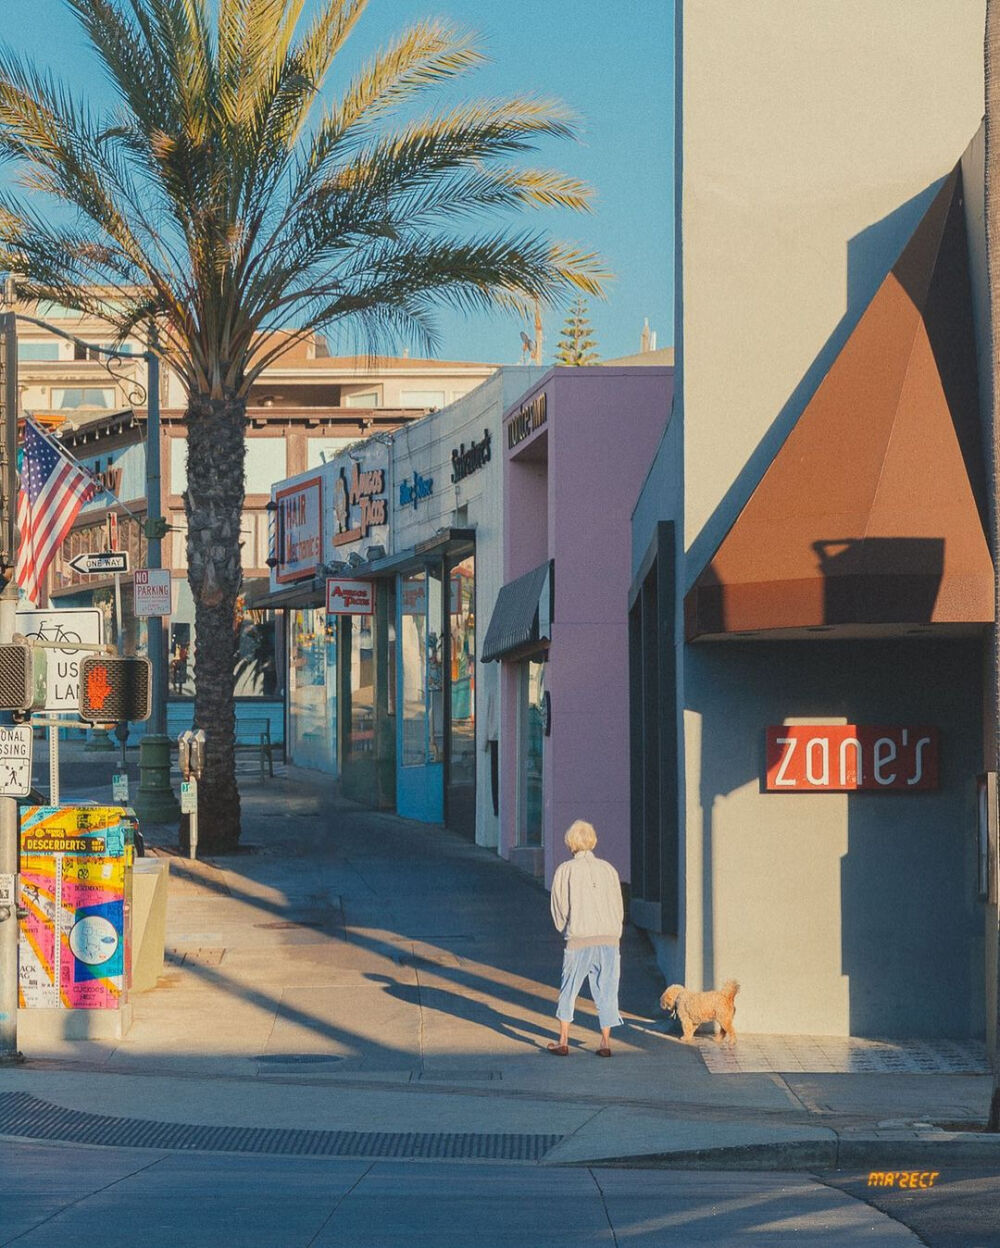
611, 62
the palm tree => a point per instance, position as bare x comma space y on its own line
992, 179
224, 199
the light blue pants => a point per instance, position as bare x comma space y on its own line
602, 965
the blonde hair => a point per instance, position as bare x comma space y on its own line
580, 835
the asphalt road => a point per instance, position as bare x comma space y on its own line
115, 1198
961, 1210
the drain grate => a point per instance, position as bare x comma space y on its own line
27, 1117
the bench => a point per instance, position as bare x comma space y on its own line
254, 733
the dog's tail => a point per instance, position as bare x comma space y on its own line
729, 989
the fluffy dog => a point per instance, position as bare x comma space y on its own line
695, 1008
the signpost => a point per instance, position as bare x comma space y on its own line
101, 563
15, 760
151, 587
67, 625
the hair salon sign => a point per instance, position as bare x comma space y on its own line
849, 758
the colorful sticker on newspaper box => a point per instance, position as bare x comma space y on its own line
74, 865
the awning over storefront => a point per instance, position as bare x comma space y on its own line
311, 591
870, 519
522, 615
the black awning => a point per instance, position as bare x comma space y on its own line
522, 614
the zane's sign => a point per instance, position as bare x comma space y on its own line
850, 758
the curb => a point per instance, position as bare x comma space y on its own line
856, 1153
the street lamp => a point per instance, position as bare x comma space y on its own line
155, 800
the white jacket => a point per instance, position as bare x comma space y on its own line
586, 901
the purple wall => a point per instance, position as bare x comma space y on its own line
603, 427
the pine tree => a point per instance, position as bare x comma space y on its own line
577, 345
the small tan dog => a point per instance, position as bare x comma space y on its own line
695, 1008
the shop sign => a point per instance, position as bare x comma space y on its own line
350, 597
359, 503
531, 416
415, 491
414, 597
464, 462
300, 540
850, 758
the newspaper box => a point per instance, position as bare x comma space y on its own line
75, 938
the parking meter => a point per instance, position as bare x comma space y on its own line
197, 752
184, 754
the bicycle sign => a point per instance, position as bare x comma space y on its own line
71, 625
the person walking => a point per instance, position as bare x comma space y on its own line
586, 903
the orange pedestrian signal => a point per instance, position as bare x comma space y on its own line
114, 690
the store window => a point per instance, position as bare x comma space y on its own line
312, 686
361, 737
462, 658
532, 750
422, 676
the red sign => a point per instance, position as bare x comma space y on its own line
846, 758
350, 597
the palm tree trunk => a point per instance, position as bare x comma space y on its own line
214, 504
992, 185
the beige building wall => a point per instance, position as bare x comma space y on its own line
811, 137
804, 126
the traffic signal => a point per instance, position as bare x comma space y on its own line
114, 690
22, 678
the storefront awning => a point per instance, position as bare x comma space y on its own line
522, 615
310, 592
870, 519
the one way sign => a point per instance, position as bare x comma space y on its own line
104, 562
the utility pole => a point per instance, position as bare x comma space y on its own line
538, 333
155, 800
8, 622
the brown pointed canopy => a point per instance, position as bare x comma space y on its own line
870, 519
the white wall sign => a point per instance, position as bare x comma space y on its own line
350, 597
15, 760
69, 625
152, 591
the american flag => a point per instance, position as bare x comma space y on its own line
53, 489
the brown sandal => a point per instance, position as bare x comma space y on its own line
558, 1050
603, 1052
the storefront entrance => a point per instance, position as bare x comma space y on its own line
436, 778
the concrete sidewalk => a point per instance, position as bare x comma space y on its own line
371, 980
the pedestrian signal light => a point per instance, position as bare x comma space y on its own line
114, 690
22, 678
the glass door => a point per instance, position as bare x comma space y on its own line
460, 798
532, 737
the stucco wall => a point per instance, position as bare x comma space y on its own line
811, 136
425, 446
838, 914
